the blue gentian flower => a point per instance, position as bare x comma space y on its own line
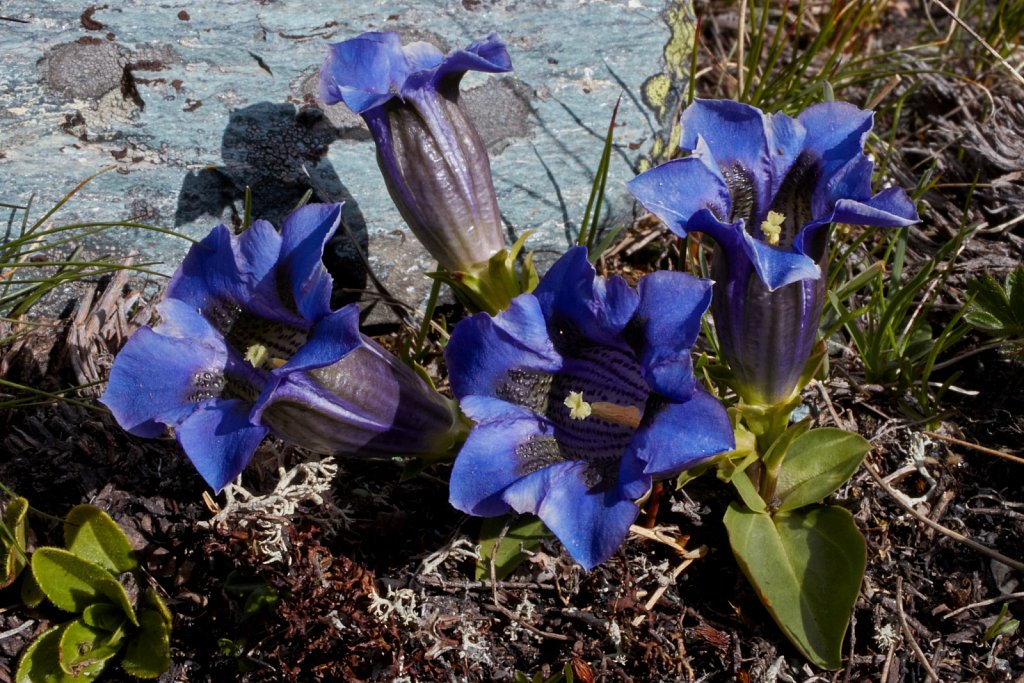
432, 158
247, 345
766, 188
583, 393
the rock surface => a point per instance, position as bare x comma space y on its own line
193, 105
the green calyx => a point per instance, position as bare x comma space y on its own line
491, 286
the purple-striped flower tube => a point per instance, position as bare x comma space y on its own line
432, 158
583, 392
248, 345
766, 188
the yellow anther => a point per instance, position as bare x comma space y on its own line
257, 355
772, 227
578, 408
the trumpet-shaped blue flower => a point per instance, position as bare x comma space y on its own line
583, 393
766, 188
432, 158
247, 344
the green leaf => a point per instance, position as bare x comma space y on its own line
148, 653
524, 533
84, 650
153, 600
73, 584
104, 616
31, 593
91, 534
817, 463
806, 567
748, 494
12, 541
40, 663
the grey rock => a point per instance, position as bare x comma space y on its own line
194, 108
85, 69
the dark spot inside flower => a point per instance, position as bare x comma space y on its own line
221, 315
281, 340
526, 388
567, 339
793, 201
537, 453
206, 385
601, 474
744, 198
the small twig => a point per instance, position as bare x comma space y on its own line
893, 81
656, 596
17, 629
967, 354
739, 48
982, 449
985, 603
884, 678
828, 402
505, 610
909, 635
991, 50
974, 545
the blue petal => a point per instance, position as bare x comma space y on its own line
779, 267
836, 132
684, 434
152, 381
489, 409
633, 481
590, 523
220, 440
366, 71
483, 349
678, 189
181, 319
420, 56
225, 269
488, 55
734, 132
740, 139
671, 306
304, 234
596, 307
488, 464
330, 341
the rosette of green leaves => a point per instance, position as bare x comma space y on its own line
85, 578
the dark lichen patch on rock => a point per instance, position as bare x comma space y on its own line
83, 70
501, 110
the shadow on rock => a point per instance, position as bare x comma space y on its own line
279, 154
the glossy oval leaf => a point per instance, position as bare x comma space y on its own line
40, 663
806, 567
148, 652
817, 463
31, 593
153, 600
104, 616
84, 650
73, 584
524, 534
91, 534
12, 541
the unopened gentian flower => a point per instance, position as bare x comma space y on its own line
766, 188
247, 345
583, 393
430, 153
